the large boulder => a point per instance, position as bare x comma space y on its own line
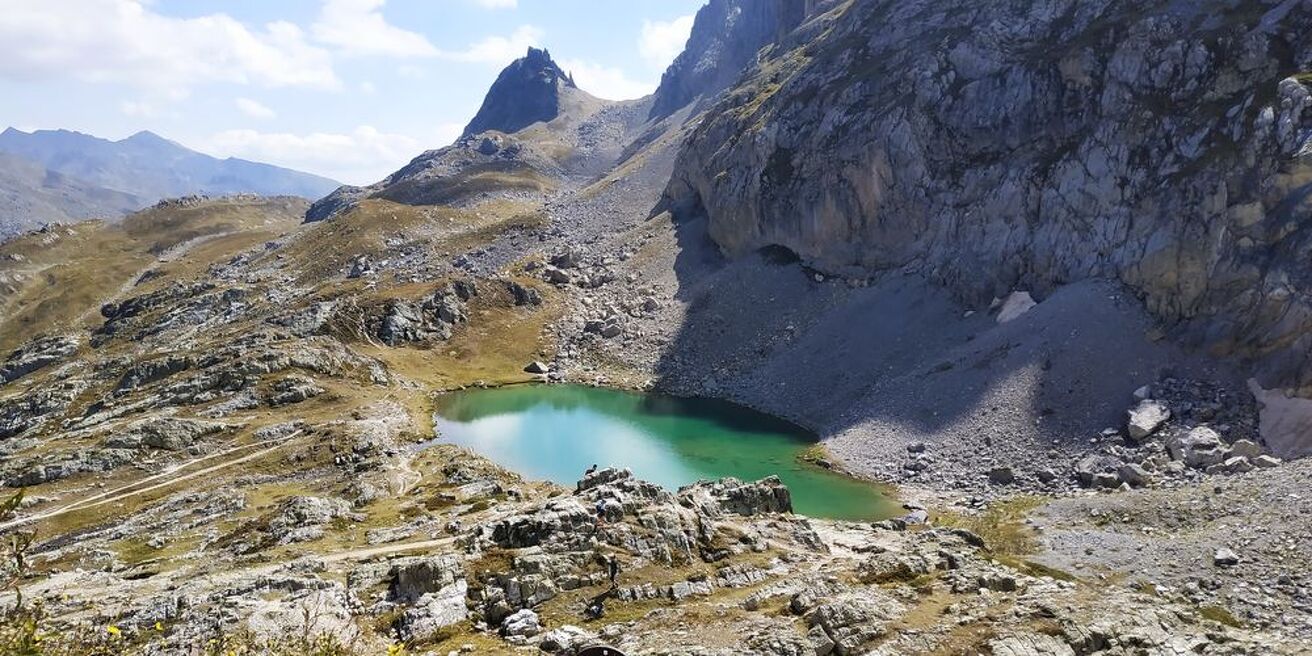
412, 579
729, 495
1199, 448
522, 623
1146, 418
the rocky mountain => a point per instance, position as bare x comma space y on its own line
725, 38
535, 126
1164, 146
527, 91
149, 167
31, 195
1039, 265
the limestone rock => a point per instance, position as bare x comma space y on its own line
523, 623
1146, 418
1225, 558
36, 354
1201, 447
1082, 182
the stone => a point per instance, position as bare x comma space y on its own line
522, 623
567, 259
536, 367
889, 566
1199, 448
36, 354
1232, 465
1146, 418
557, 276
1224, 557
568, 639
1245, 449
1002, 476
1093, 468
1134, 475
1030, 644
412, 579
523, 295
432, 612
1266, 462
1017, 304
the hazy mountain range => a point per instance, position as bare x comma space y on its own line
58, 176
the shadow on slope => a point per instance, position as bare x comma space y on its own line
874, 368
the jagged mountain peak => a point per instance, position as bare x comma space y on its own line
726, 35
526, 92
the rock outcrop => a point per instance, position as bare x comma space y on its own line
1165, 146
725, 38
526, 92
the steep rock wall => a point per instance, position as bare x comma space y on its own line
725, 38
998, 144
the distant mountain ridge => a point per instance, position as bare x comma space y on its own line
81, 176
31, 195
148, 165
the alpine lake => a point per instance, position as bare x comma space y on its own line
555, 432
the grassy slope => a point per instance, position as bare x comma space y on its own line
69, 273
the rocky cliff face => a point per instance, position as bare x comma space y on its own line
526, 92
1000, 145
726, 36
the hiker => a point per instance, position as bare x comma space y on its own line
613, 566
591, 469
601, 511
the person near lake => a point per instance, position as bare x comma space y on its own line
613, 568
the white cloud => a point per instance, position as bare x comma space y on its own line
124, 41
606, 82
497, 4
138, 109
662, 41
357, 27
499, 49
254, 109
362, 156
411, 72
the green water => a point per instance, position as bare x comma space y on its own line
555, 432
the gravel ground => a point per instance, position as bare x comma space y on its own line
1170, 538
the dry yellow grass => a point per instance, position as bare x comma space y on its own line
69, 273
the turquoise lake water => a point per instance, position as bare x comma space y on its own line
555, 432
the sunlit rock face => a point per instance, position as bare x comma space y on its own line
999, 145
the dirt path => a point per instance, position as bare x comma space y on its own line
127, 491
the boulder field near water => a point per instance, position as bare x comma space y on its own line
534, 574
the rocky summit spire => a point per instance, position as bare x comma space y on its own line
725, 38
527, 91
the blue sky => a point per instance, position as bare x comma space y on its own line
350, 89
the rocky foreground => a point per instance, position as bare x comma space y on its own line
484, 563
